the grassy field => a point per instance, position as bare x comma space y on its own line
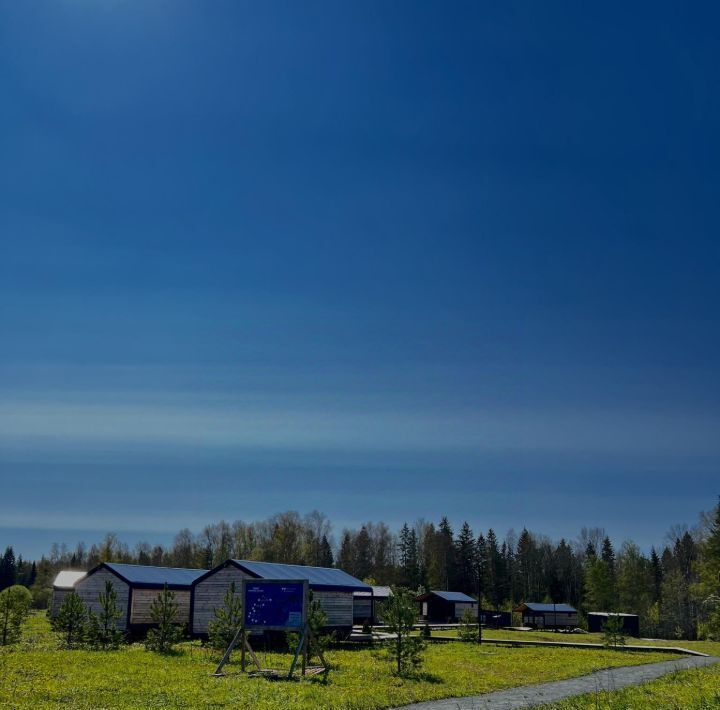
683, 690
710, 647
38, 675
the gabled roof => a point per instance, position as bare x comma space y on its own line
66, 578
532, 606
327, 578
150, 576
379, 592
448, 596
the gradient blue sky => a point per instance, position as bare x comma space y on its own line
387, 260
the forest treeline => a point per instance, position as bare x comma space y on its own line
674, 588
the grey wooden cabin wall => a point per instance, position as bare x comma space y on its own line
210, 592
89, 589
58, 596
142, 600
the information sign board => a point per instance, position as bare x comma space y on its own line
274, 604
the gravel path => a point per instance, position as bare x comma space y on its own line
531, 695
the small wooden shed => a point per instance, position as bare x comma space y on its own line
442, 607
494, 618
136, 587
367, 605
63, 584
598, 619
547, 616
332, 587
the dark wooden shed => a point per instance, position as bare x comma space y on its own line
367, 606
547, 616
442, 607
598, 619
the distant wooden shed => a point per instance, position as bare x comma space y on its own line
367, 606
443, 607
63, 584
331, 587
136, 587
547, 616
598, 619
496, 619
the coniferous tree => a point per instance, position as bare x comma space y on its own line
103, 632
325, 554
657, 575
228, 619
495, 574
400, 614
466, 560
167, 632
71, 620
362, 554
14, 608
408, 557
446, 550
345, 554
8, 569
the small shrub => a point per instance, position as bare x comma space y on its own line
468, 630
613, 632
425, 631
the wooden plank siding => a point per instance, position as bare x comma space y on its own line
541, 620
337, 605
461, 607
58, 596
209, 593
142, 600
89, 589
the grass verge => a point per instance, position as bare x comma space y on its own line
697, 689
38, 675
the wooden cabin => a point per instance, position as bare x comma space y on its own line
136, 587
442, 607
332, 587
495, 619
367, 606
598, 619
63, 584
547, 616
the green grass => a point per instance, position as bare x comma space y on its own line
38, 675
710, 647
683, 690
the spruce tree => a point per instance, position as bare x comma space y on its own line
167, 632
14, 608
8, 570
71, 620
103, 632
326, 555
228, 619
400, 614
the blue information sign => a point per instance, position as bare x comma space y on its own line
274, 604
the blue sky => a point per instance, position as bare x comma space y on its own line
387, 260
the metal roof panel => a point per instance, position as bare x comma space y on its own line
159, 576
318, 577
